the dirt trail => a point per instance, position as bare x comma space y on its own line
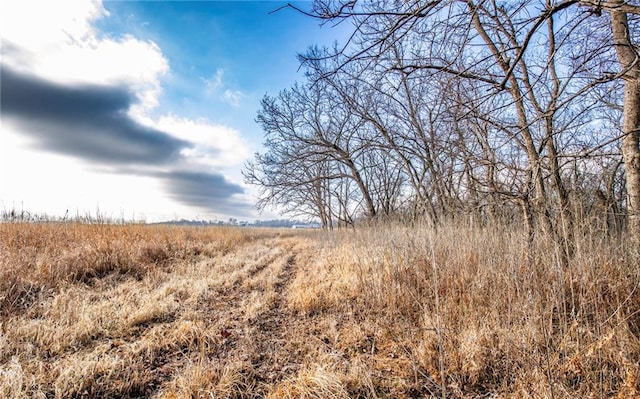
253, 321
243, 324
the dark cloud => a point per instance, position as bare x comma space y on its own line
90, 122
208, 191
85, 121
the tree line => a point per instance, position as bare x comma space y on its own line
519, 110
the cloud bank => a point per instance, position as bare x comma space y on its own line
91, 123
85, 121
90, 97
205, 190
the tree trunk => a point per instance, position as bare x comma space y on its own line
630, 66
540, 215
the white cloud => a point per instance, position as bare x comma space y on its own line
233, 97
56, 41
214, 145
59, 43
58, 24
215, 82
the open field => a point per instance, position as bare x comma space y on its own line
97, 311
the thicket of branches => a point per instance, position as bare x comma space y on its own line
523, 111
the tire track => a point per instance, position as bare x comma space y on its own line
254, 323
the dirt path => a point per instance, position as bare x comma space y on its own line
240, 320
253, 321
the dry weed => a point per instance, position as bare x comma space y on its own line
388, 311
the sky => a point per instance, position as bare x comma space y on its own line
141, 110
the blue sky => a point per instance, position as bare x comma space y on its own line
240, 46
141, 109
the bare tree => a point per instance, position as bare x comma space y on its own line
312, 147
521, 50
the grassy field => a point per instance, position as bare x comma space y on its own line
103, 311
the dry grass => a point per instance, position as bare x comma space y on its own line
390, 312
460, 313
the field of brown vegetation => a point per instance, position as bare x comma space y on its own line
102, 311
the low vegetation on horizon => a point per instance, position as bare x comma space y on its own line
98, 311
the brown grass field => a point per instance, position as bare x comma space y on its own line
107, 311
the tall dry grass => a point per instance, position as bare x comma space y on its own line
462, 312
38, 258
377, 312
